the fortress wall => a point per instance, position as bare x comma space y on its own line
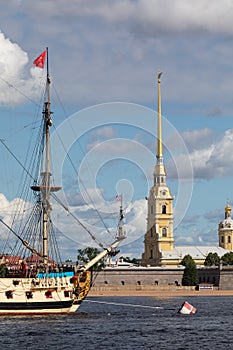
226, 278
150, 278
138, 277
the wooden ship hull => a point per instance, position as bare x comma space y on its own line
43, 295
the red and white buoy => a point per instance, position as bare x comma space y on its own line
187, 309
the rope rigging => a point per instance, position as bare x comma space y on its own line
39, 149
25, 243
86, 191
100, 244
73, 166
65, 207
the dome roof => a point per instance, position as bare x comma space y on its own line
227, 223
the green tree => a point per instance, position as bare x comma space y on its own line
186, 260
89, 253
228, 258
190, 276
212, 259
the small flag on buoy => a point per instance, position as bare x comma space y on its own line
187, 309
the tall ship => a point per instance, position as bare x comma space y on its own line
33, 279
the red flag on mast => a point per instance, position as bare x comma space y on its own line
40, 60
118, 197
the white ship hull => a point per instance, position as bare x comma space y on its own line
38, 296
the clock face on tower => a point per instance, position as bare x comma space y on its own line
163, 192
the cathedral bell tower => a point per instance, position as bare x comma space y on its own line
159, 236
225, 230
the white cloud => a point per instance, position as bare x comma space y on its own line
114, 48
213, 161
135, 222
105, 131
182, 240
15, 86
147, 14
196, 139
9, 208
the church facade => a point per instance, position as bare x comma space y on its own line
159, 247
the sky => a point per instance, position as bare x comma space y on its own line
104, 57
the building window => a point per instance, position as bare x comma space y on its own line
222, 239
138, 283
151, 254
164, 232
164, 209
229, 239
151, 209
151, 232
123, 283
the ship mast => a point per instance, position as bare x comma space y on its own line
120, 233
45, 188
110, 250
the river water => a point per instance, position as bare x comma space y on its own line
124, 323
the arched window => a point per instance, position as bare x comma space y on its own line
151, 254
222, 239
151, 232
164, 209
164, 232
229, 239
151, 209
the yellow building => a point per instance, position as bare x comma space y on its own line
159, 249
225, 230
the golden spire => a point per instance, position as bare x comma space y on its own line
159, 170
159, 131
227, 211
